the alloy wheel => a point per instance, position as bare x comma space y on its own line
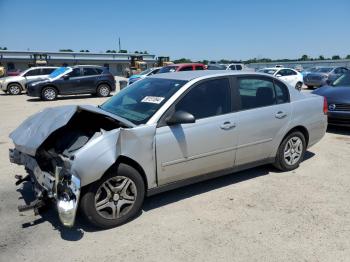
115, 197
293, 150
104, 90
49, 94
14, 89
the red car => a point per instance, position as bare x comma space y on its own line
182, 67
13, 72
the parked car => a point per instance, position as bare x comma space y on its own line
182, 67
217, 67
323, 76
235, 66
338, 97
288, 75
143, 74
81, 79
14, 72
308, 70
15, 85
157, 135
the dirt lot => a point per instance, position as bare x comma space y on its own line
256, 215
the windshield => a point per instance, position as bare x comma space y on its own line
343, 80
59, 71
139, 102
324, 69
268, 71
146, 72
167, 69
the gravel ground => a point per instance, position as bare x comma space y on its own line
255, 215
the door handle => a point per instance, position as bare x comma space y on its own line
227, 125
280, 115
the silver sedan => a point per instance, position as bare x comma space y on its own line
160, 133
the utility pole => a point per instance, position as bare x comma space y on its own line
119, 44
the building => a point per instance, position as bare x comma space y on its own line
116, 62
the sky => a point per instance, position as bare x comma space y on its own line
195, 29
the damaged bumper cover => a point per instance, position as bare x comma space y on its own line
63, 188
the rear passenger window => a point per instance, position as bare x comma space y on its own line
186, 68
256, 92
89, 71
238, 67
47, 71
207, 99
282, 93
199, 68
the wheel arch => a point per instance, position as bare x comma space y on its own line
18, 83
50, 85
301, 129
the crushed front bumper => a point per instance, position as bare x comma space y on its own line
63, 187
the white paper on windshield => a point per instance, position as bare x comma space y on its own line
152, 99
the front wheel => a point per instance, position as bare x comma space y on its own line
115, 198
291, 151
14, 89
49, 93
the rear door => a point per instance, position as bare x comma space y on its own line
90, 78
33, 74
264, 115
206, 146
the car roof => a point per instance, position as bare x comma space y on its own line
95, 66
38, 67
185, 64
190, 75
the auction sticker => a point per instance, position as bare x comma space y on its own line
152, 99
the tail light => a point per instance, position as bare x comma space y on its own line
325, 106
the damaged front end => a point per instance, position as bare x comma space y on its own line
59, 145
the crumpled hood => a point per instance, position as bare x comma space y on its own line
36, 129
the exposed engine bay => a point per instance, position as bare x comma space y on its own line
50, 170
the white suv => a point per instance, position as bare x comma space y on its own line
14, 85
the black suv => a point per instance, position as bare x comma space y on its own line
81, 79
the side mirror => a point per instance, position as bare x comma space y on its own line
278, 75
65, 77
180, 117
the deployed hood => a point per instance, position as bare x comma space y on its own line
36, 129
334, 93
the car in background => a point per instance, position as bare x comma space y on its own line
80, 79
323, 76
15, 85
288, 75
217, 67
338, 98
235, 67
167, 131
143, 74
182, 67
14, 72
309, 70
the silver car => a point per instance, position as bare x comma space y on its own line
162, 132
15, 85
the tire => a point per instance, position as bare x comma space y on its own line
103, 90
298, 86
310, 87
14, 89
296, 144
115, 199
49, 93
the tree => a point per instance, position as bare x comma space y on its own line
136, 52
347, 57
321, 57
145, 52
335, 57
3, 48
123, 51
65, 50
182, 60
304, 58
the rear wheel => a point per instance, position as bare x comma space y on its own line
49, 93
310, 87
291, 151
298, 86
115, 198
14, 89
103, 90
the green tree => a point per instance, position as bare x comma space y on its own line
65, 50
182, 60
335, 57
304, 58
347, 57
321, 57
145, 52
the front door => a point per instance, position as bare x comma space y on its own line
263, 118
206, 146
71, 85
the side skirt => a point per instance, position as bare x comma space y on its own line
196, 179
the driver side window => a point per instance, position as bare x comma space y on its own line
74, 73
207, 99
